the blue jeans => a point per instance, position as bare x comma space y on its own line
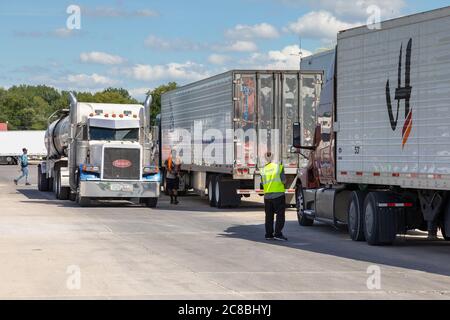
24, 174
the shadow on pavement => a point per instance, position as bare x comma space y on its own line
34, 194
408, 252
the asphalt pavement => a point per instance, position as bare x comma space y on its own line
54, 249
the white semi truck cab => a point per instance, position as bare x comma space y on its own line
101, 152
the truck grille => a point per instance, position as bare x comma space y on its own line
122, 164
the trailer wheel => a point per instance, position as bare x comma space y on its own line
212, 191
380, 224
356, 216
50, 184
303, 220
218, 192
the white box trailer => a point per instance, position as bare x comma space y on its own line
12, 143
382, 147
222, 127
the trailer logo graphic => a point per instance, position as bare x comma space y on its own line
122, 164
402, 93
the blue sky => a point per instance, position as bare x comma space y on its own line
139, 45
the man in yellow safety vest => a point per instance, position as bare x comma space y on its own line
273, 180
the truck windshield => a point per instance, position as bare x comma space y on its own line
105, 134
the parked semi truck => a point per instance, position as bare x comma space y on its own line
12, 143
101, 152
221, 128
380, 159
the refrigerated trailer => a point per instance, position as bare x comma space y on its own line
221, 127
380, 160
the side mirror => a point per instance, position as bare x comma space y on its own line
297, 137
297, 133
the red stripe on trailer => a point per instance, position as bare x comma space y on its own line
344, 173
359, 174
396, 175
377, 174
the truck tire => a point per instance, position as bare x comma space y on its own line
42, 180
62, 193
50, 184
212, 191
218, 192
303, 219
150, 202
225, 192
380, 224
356, 216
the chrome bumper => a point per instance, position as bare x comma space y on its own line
116, 189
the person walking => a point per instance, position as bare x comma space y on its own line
172, 176
273, 180
23, 161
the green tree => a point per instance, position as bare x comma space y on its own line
27, 107
156, 95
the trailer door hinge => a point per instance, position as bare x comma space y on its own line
336, 127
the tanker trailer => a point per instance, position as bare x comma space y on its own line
101, 152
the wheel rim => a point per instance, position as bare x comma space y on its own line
369, 219
352, 219
210, 190
217, 192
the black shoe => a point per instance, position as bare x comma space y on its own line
269, 238
171, 201
176, 202
281, 238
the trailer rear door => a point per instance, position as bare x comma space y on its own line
266, 106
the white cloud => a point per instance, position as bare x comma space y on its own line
357, 9
158, 43
101, 58
287, 58
246, 32
218, 59
89, 81
171, 71
353, 10
241, 46
319, 24
139, 93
